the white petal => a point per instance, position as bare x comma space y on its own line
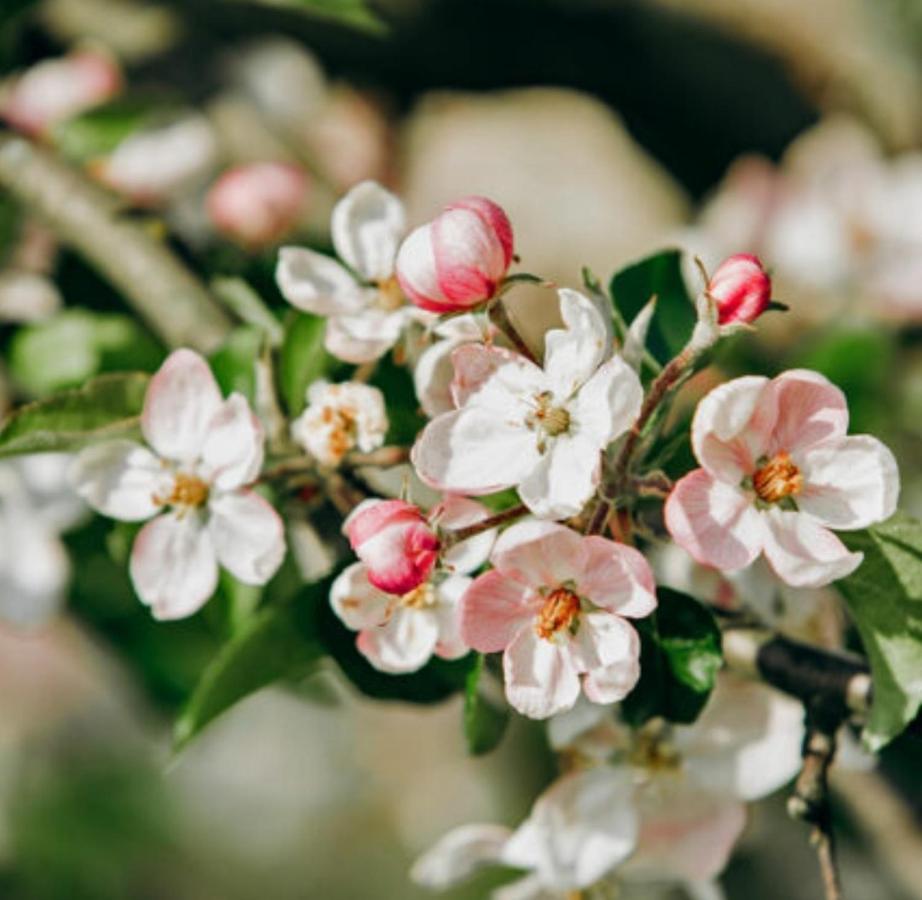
402, 644
496, 379
579, 829
367, 225
803, 553
364, 336
233, 450
182, 399
358, 602
472, 451
458, 855
528, 888
540, 676
247, 534
564, 478
458, 512
635, 340
448, 612
173, 566
608, 403
608, 650
573, 353
121, 479
432, 378
317, 284
811, 410
850, 483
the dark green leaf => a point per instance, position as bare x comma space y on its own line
679, 661
884, 596
304, 359
674, 319
234, 362
356, 13
403, 411
108, 407
484, 722
99, 131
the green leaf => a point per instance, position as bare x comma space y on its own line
674, 319
484, 722
99, 131
403, 411
356, 13
884, 596
76, 344
234, 362
304, 359
107, 407
679, 660
279, 642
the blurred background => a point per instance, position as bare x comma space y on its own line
607, 129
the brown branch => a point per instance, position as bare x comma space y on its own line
456, 535
499, 316
149, 276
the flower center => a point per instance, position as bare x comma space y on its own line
390, 296
343, 427
188, 491
777, 479
561, 607
419, 598
549, 420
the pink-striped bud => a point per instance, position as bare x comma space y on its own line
395, 542
58, 89
457, 260
741, 288
257, 204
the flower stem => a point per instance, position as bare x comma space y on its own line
499, 316
383, 456
456, 535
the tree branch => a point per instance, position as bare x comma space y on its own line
84, 216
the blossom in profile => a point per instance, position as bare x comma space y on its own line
191, 481
458, 260
557, 604
538, 429
340, 418
778, 474
365, 308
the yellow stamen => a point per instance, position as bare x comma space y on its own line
188, 491
390, 296
560, 609
777, 479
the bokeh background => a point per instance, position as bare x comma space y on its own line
607, 129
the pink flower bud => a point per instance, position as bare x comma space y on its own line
58, 89
457, 260
257, 204
395, 542
741, 288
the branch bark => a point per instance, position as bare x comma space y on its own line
85, 217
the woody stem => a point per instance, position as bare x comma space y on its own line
499, 316
456, 535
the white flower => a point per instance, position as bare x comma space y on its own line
433, 374
541, 430
365, 308
205, 451
340, 418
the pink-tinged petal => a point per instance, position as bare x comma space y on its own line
473, 451
370, 516
366, 226
317, 284
173, 566
686, 832
608, 404
564, 478
121, 479
417, 273
494, 609
363, 337
539, 554
732, 426
811, 410
356, 601
573, 353
494, 219
496, 379
458, 855
540, 675
404, 643
233, 450
579, 829
612, 683
741, 289
603, 639
458, 512
181, 401
616, 577
247, 534
716, 523
850, 483
432, 378
804, 553
448, 594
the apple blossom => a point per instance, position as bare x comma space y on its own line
417, 614
457, 260
741, 288
538, 429
192, 487
258, 203
778, 472
58, 89
557, 604
364, 305
340, 418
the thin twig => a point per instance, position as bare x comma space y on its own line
456, 535
499, 316
383, 457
